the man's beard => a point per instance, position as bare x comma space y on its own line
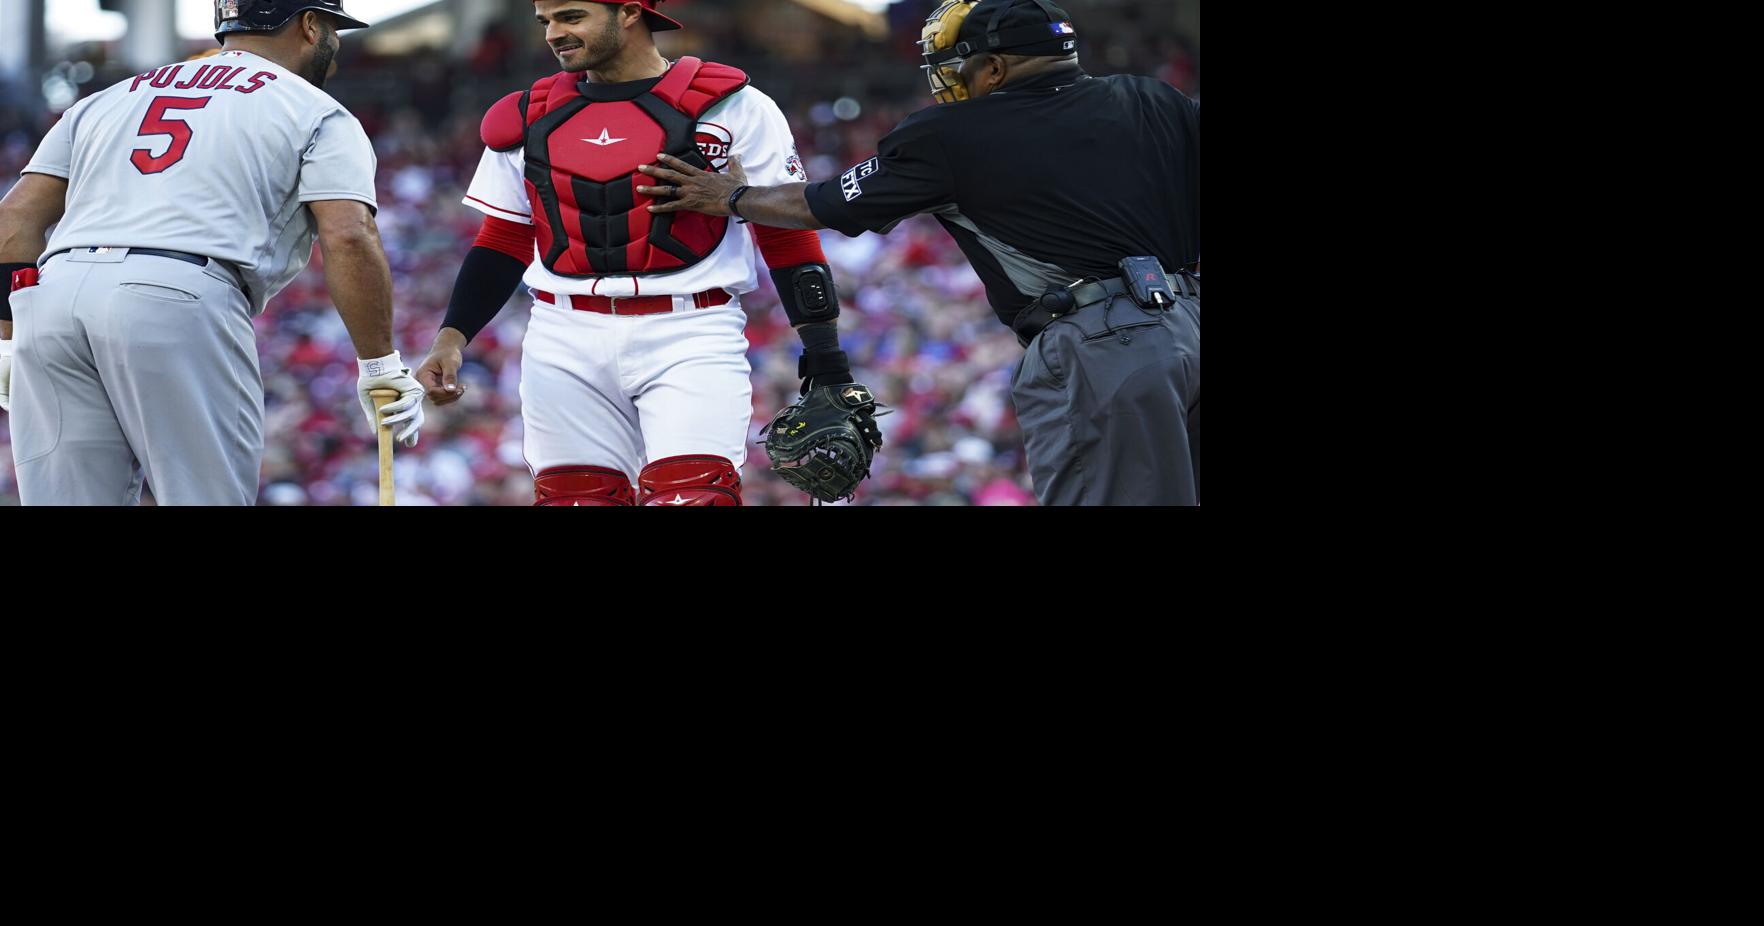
604, 48
322, 56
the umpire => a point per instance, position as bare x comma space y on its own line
1077, 200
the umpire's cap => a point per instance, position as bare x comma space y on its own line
1020, 27
960, 29
270, 15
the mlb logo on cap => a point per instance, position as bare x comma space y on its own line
1061, 28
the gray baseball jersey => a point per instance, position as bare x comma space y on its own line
213, 157
134, 357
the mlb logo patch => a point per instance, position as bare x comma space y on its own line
1061, 28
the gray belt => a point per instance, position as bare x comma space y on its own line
197, 259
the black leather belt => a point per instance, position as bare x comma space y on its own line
1091, 293
197, 259
1035, 317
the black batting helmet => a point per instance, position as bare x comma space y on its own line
270, 15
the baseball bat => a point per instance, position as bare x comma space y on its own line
381, 397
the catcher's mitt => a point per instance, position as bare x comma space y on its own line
823, 444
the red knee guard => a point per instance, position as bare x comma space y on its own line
690, 480
585, 486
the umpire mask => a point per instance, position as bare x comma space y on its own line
938, 44
959, 29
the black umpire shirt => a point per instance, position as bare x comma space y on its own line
1051, 179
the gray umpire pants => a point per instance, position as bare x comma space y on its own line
130, 366
1108, 398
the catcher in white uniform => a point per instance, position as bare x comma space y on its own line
186, 197
634, 375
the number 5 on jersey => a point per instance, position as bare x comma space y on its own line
156, 123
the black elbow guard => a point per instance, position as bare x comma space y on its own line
807, 293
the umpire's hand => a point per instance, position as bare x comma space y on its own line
691, 189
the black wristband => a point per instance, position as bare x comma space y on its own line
486, 279
735, 196
824, 370
822, 362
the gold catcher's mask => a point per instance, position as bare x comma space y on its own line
938, 44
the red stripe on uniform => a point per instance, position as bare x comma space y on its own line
498, 208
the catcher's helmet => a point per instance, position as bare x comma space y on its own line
270, 15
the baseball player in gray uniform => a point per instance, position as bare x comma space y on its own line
186, 197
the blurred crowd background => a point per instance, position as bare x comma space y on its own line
915, 320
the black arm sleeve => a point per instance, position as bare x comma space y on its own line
486, 280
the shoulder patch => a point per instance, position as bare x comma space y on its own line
505, 125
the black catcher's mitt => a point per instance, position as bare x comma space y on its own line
823, 444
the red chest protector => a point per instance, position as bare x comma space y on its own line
584, 142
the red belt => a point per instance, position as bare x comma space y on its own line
633, 305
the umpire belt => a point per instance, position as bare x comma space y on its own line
1035, 316
197, 259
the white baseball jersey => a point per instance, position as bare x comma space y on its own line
747, 125
215, 157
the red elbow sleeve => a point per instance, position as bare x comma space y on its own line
788, 247
511, 238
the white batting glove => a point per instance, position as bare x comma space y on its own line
405, 413
5, 376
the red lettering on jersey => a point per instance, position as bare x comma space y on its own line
200, 73
166, 75
142, 77
227, 81
256, 82
209, 82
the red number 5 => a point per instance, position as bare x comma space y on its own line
155, 123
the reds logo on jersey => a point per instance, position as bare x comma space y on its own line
714, 142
